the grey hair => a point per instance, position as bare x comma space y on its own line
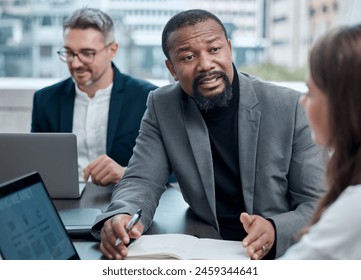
85, 18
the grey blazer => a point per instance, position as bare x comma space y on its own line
281, 169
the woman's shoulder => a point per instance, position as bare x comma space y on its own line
354, 190
349, 200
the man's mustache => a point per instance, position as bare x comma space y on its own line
205, 75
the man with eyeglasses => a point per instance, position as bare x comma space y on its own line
102, 106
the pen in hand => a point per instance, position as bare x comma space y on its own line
130, 225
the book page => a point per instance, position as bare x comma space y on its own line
182, 246
215, 249
163, 246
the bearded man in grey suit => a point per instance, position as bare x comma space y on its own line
235, 143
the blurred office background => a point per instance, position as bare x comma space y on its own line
270, 39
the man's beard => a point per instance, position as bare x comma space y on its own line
220, 100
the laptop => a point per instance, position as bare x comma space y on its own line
31, 228
53, 155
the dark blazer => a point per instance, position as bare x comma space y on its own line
53, 109
281, 169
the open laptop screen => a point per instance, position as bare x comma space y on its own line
30, 225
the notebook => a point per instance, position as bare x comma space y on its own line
31, 228
53, 155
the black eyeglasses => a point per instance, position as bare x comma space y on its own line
85, 56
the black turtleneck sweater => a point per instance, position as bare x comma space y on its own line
222, 124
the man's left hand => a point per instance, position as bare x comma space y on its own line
261, 235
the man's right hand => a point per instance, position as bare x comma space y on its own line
114, 228
103, 171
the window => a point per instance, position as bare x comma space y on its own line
279, 42
335, 6
46, 21
324, 9
45, 51
279, 19
312, 12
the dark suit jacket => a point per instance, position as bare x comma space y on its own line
53, 109
281, 169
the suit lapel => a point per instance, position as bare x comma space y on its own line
248, 129
67, 100
200, 145
115, 108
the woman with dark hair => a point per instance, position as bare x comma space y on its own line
333, 106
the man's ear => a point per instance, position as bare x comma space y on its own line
169, 65
114, 49
229, 42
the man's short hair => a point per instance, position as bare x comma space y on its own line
187, 18
85, 18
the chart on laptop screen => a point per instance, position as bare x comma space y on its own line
31, 228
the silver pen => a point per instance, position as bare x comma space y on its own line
130, 225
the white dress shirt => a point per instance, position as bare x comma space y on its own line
337, 235
90, 123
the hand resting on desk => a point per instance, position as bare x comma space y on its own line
103, 171
114, 228
261, 235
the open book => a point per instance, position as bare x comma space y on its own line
186, 247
